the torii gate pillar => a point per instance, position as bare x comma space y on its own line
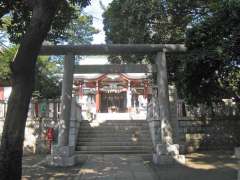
63, 153
165, 151
163, 98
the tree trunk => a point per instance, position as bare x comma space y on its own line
23, 83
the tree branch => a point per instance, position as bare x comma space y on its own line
30, 3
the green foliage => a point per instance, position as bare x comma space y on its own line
212, 69
20, 13
6, 57
79, 30
47, 73
69, 26
155, 21
47, 78
209, 71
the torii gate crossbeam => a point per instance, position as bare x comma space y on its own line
65, 146
110, 49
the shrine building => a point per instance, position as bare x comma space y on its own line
113, 93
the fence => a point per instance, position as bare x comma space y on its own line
204, 128
205, 134
196, 129
42, 114
37, 108
227, 108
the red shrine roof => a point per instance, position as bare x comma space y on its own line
120, 80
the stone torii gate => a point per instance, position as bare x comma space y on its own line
63, 154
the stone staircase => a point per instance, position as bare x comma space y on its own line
114, 137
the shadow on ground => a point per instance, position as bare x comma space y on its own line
220, 165
214, 165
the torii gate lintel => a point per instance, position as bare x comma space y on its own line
65, 158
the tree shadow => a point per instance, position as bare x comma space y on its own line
213, 165
210, 165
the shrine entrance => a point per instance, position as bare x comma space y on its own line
112, 102
113, 92
159, 120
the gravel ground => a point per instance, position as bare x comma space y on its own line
219, 165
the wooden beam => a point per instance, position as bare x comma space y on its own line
114, 68
111, 49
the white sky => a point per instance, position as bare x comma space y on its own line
96, 11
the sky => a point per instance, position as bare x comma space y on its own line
96, 11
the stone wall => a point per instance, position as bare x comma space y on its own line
237, 155
209, 134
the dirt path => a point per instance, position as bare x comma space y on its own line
199, 166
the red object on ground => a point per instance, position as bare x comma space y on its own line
50, 134
50, 138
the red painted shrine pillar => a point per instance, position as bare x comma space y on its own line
80, 91
1, 93
145, 90
97, 97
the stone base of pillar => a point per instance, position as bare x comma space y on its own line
168, 154
41, 147
129, 109
168, 159
237, 154
62, 156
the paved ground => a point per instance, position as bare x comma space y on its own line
199, 166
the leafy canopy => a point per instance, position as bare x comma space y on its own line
209, 71
20, 13
47, 73
212, 68
69, 26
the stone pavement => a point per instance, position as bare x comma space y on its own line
199, 166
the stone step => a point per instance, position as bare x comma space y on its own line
117, 123
146, 154
117, 132
113, 135
114, 143
114, 148
113, 139
113, 132
113, 128
122, 116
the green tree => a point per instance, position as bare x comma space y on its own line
209, 71
47, 82
6, 57
212, 68
155, 21
78, 31
47, 73
31, 21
